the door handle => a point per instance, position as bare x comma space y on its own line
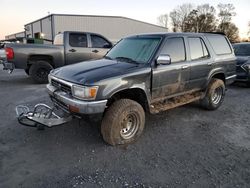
209, 64
72, 50
184, 67
95, 51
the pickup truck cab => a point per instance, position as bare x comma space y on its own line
145, 73
68, 48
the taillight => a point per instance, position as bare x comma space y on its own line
9, 53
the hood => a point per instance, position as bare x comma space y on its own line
240, 60
89, 72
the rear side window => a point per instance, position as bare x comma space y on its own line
175, 48
219, 44
78, 40
198, 49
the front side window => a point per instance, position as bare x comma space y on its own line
198, 49
99, 42
138, 49
175, 48
78, 40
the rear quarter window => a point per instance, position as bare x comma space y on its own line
219, 44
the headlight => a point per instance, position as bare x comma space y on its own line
84, 92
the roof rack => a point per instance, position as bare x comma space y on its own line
221, 33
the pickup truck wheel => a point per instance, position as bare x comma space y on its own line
215, 95
123, 122
39, 71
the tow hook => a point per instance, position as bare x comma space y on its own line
41, 115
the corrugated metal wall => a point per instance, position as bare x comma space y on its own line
21, 34
28, 30
114, 28
46, 28
36, 27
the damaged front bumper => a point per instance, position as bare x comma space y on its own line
40, 115
73, 105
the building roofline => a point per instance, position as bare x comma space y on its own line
94, 16
14, 33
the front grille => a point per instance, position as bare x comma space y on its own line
61, 86
60, 104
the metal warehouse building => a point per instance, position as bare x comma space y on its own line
112, 27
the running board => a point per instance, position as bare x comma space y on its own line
175, 102
41, 115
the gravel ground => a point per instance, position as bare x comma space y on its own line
183, 147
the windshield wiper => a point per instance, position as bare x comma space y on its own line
126, 59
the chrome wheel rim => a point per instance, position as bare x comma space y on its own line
217, 95
130, 125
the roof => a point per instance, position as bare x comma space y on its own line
93, 16
174, 34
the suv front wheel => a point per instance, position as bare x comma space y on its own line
214, 95
123, 122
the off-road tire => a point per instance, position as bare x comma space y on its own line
115, 119
214, 95
39, 71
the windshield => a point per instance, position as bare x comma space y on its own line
242, 50
137, 50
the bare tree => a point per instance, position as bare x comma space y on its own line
249, 29
179, 16
226, 12
230, 30
201, 19
163, 20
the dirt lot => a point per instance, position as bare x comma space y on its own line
183, 147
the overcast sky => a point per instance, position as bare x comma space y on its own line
14, 14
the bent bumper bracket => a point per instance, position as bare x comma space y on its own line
42, 114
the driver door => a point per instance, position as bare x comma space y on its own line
173, 78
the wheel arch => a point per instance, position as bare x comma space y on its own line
219, 74
134, 93
33, 58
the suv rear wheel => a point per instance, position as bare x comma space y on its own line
214, 95
123, 122
39, 71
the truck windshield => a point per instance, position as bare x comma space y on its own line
242, 49
58, 40
138, 50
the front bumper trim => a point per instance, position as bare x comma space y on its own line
85, 107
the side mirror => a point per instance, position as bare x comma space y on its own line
163, 60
